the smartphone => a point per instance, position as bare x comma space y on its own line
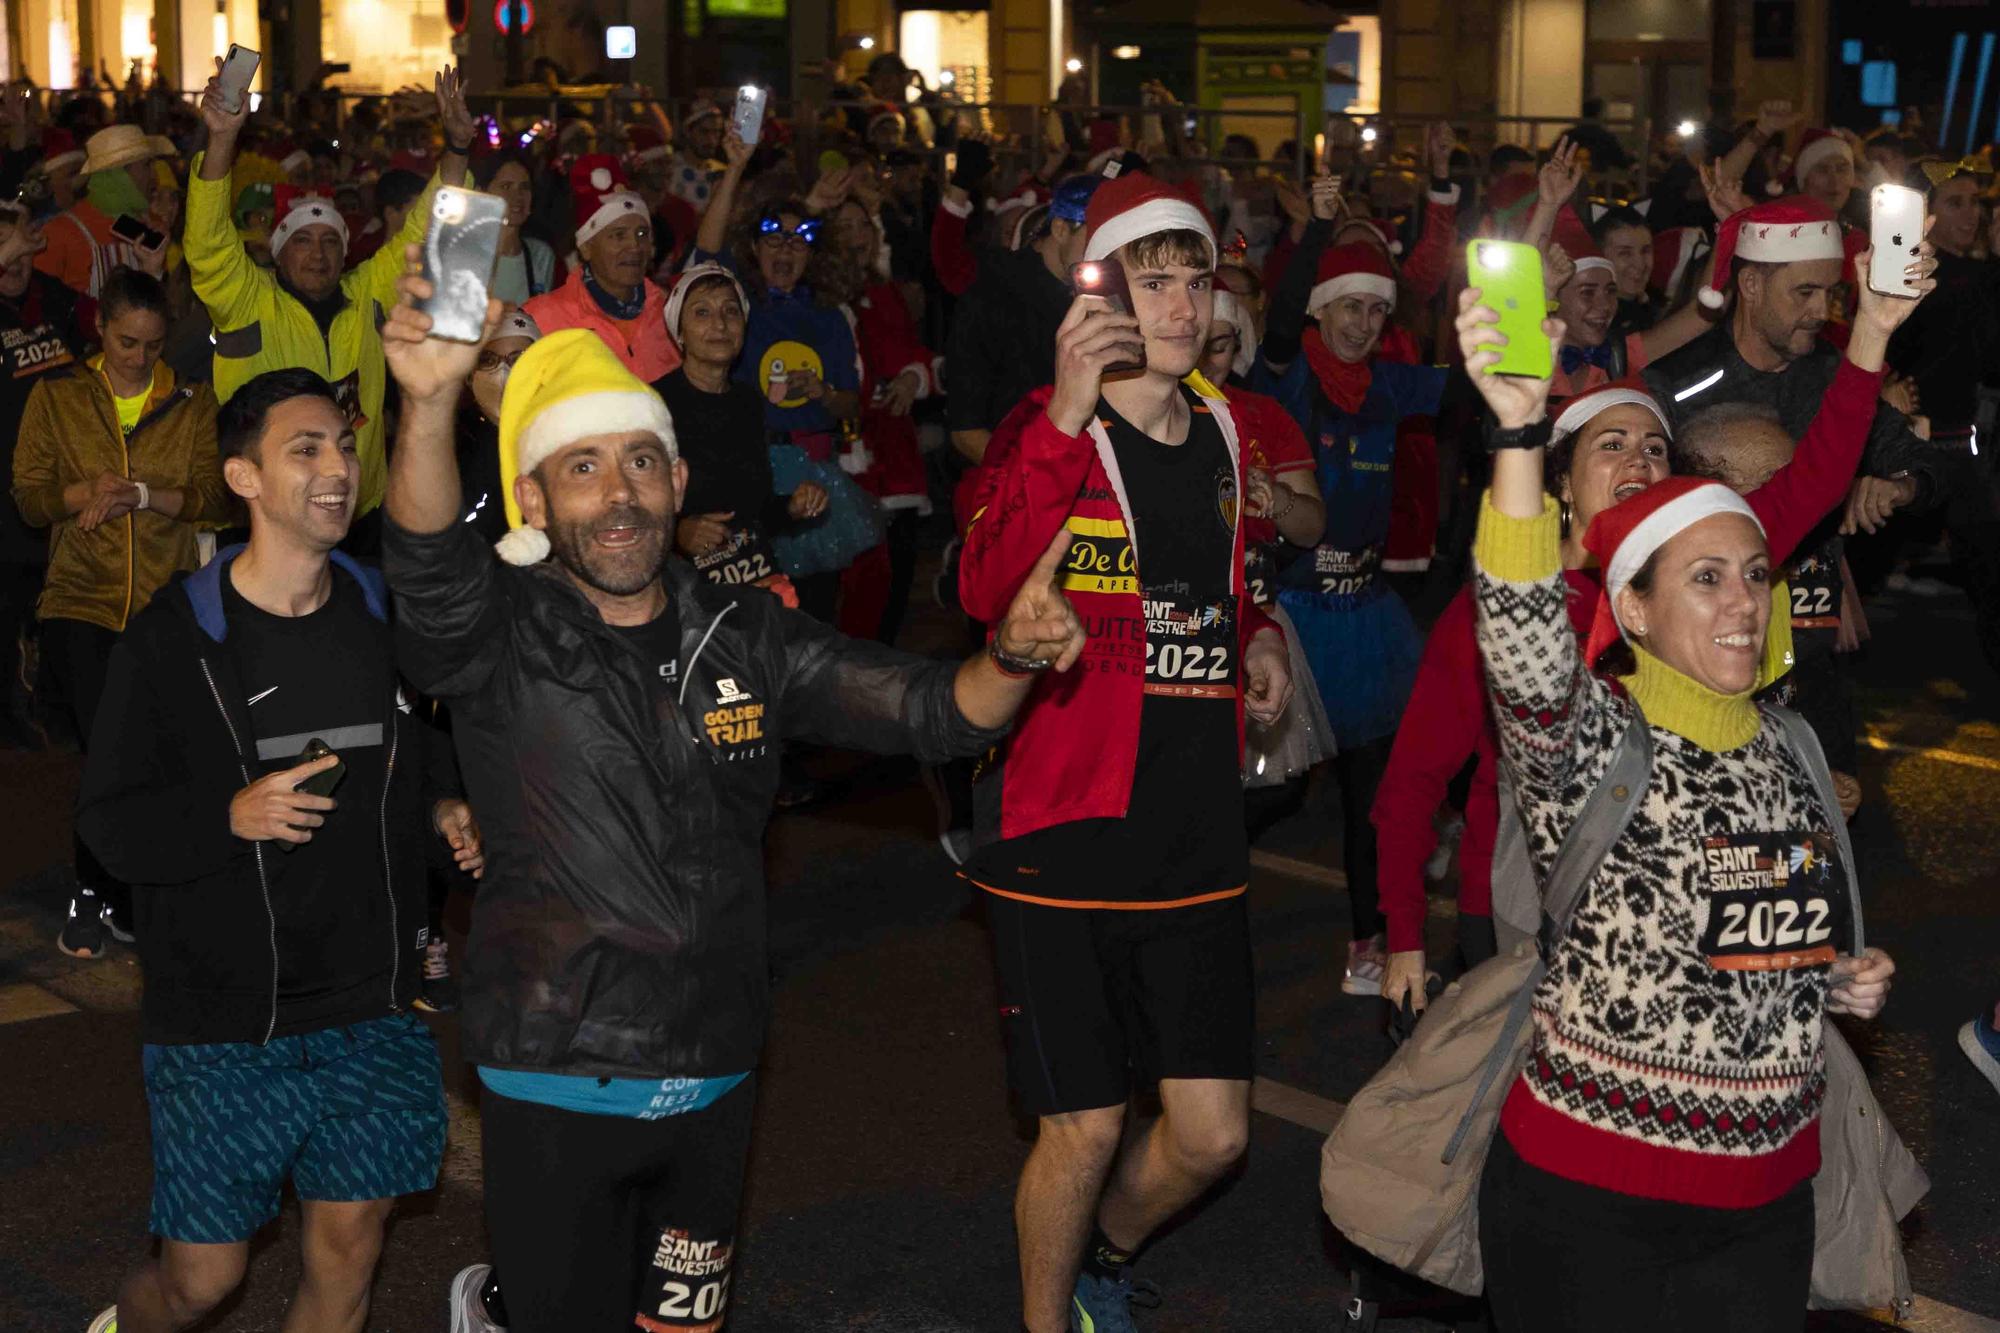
319, 784
748, 117
239, 66
134, 231
1508, 275
459, 252
1105, 279
1895, 231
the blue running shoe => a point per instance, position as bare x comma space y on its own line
1981, 1044
1104, 1304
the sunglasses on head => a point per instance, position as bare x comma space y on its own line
771, 227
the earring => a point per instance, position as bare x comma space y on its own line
1564, 509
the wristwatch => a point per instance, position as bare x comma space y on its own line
1534, 435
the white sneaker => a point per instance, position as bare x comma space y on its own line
105, 1323
1367, 960
468, 1312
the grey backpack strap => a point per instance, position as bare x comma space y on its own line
1598, 825
1799, 733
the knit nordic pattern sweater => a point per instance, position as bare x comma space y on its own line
1675, 1056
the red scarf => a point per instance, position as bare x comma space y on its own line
1345, 383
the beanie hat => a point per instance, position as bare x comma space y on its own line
599, 196
1781, 231
1817, 146
567, 387
1348, 269
1579, 411
684, 283
297, 209
1626, 535
1071, 200
1136, 206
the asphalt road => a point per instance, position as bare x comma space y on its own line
885, 1153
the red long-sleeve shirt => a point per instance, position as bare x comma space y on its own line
951, 258
1447, 723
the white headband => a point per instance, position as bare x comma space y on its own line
1661, 526
1582, 410
691, 275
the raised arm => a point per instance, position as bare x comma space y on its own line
1556, 185
1429, 262
1285, 325
713, 233
225, 278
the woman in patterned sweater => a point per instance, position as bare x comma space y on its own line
1655, 1157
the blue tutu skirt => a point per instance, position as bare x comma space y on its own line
851, 524
1364, 655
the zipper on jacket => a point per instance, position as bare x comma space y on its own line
687, 674
256, 850
388, 874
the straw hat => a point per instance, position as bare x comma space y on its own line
121, 146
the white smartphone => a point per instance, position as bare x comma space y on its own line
748, 118
1895, 230
238, 68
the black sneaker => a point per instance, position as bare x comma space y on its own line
439, 994
84, 933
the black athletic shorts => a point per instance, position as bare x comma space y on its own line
603, 1223
1096, 1000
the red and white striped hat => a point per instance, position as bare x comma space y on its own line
1626, 535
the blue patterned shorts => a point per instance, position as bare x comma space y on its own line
349, 1113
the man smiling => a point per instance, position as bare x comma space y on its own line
609, 293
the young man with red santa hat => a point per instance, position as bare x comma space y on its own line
1113, 853
609, 292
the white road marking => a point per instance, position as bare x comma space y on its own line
1932, 752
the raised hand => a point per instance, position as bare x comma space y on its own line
1092, 338
1887, 313
427, 367
1725, 192
1516, 400
1040, 624
215, 113
736, 153
1561, 174
23, 239
1326, 201
1439, 140
1557, 269
448, 86
1775, 118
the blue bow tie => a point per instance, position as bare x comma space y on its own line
1576, 358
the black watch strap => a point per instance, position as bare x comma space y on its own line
1533, 436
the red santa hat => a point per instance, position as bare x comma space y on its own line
1135, 206
1626, 535
1379, 231
647, 144
297, 209
684, 283
1781, 231
59, 149
292, 158
1345, 270
1580, 410
881, 111
600, 197
417, 164
1816, 146
1029, 195
1577, 242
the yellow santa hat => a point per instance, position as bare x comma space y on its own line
565, 388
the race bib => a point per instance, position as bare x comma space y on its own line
1191, 648
1260, 573
744, 558
1346, 573
1772, 900
1815, 585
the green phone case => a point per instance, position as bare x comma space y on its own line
1508, 275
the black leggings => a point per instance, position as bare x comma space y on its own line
1563, 1257
597, 1219
1359, 769
76, 657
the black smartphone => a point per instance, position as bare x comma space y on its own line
133, 231
1105, 279
319, 784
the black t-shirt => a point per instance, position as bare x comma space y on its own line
659, 642
1183, 832
327, 675
1003, 338
721, 437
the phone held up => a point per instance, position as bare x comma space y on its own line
459, 253
1105, 280
133, 231
748, 117
319, 784
239, 66
1508, 275
1895, 233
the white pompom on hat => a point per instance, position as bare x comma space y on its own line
600, 196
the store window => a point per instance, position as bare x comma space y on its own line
388, 43
941, 42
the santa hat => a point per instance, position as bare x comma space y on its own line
1577, 242
1815, 147
1136, 206
882, 111
600, 197
701, 111
296, 209
684, 283
417, 164
1626, 535
1673, 250
1380, 232
567, 387
59, 149
1781, 231
1230, 310
646, 144
1580, 410
1345, 270
292, 158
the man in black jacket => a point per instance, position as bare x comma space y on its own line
620, 719
281, 931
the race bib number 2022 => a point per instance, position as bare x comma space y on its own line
1191, 648
1773, 900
